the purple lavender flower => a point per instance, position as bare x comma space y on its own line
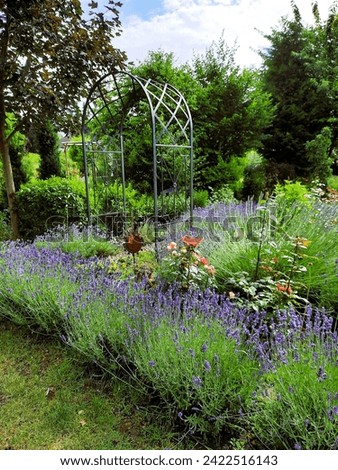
204, 347
207, 366
321, 374
192, 352
197, 381
332, 413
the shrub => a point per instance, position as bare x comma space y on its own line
110, 199
30, 164
291, 192
5, 231
55, 201
201, 198
223, 194
185, 266
48, 144
254, 183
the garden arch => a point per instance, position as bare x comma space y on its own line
112, 104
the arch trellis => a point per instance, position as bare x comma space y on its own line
111, 104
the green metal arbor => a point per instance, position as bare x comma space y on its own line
111, 104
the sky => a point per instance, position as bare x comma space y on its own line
189, 27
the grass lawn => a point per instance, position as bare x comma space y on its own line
49, 400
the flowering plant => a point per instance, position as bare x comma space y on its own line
185, 265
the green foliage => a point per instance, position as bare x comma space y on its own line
45, 203
229, 111
110, 199
300, 73
48, 149
201, 198
30, 165
19, 176
317, 153
333, 182
40, 43
52, 39
222, 194
5, 231
233, 111
254, 179
144, 264
16, 151
292, 192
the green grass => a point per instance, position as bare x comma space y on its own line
49, 400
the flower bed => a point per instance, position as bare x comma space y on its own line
213, 368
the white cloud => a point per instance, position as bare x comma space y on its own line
189, 26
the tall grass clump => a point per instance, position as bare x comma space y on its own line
275, 253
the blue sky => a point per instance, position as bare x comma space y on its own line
144, 9
188, 27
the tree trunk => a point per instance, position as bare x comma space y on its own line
8, 174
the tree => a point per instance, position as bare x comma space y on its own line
49, 56
232, 112
49, 151
300, 72
228, 106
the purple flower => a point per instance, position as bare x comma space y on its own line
204, 347
192, 352
152, 363
332, 413
321, 374
207, 366
197, 381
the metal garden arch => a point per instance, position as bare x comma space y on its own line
111, 103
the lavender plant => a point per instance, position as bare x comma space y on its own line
35, 285
296, 402
204, 376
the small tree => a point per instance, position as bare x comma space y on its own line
49, 56
48, 149
300, 72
